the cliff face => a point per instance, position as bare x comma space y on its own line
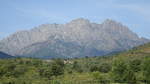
77, 38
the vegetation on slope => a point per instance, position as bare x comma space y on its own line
5, 56
130, 67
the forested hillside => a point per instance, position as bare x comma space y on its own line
129, 67
4, 56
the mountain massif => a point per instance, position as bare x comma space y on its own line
78, 38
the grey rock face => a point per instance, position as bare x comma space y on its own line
78, 38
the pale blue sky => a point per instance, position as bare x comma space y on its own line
16, 15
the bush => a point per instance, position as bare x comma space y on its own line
105, 68
77, 67
119, 70
146, 70
94, 68
135, 65
99, 77
57, 70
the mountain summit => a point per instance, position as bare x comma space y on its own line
78, 38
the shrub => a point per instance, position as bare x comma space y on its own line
105, 68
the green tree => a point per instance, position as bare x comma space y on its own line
57, 70
45, 72
135, 65
105, 68
99, 77
59, 62
19, 70
7, 69
94, 68
130, 77
146, 70
77, 67
119, 70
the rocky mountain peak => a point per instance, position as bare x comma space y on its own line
80, 21
114, 26
77, 38
109, 21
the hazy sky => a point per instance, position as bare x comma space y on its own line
25, 14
